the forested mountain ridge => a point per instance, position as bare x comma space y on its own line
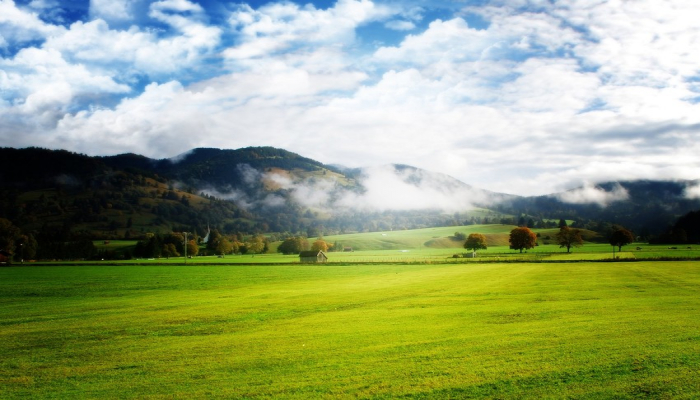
265, 189
208, 166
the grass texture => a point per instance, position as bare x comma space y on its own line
568, 330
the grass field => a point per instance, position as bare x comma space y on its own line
422, 254
435, 245
506, 330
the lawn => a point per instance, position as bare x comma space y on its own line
514, 330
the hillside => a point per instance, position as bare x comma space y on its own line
264, 189
647, 207
441, 237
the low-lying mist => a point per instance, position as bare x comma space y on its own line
377, 189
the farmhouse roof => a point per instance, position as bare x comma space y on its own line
309, 253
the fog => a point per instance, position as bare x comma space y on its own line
382, 188
590, 194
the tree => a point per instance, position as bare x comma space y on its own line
293, 245
522, 238
562, 223
620, 237
568, 238
9, 233
319, 245
192, 248
256, 245
27, 247
214, 237
223, 246
169, 249
475, 241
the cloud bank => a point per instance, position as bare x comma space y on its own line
382, 188
522, 97
590, 194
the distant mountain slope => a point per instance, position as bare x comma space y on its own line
35, 167
216, 167
645, 206
265, 189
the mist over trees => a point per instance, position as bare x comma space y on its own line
60, 201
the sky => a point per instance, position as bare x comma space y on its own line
526, 97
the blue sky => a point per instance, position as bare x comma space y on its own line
517, 96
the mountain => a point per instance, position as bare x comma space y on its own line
645, 206
265, 189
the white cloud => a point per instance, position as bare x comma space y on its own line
123, 54
383, 188
451, 40
544, 95
17, 25
589, 194
112, 10
692, 191
387, 188
276, 27
398, 25
160, 118
41, 81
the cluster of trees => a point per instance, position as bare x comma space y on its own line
236, 244
172, 245
297, 244
523, 238
685, 230
49, 243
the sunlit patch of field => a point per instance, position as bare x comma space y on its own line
507, 330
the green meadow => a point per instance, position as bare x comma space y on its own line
433, 245
584, 330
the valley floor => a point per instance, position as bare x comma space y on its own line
474, 330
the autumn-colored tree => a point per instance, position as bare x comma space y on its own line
223, 246
568, 238
620, 237
319, 245
255, 244
522, 238
475, 241
192, 248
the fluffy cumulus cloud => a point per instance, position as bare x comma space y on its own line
524, 97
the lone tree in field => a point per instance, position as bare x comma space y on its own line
568, 238
620, 237
522, 238
475, 241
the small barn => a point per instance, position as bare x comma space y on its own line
312, 257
